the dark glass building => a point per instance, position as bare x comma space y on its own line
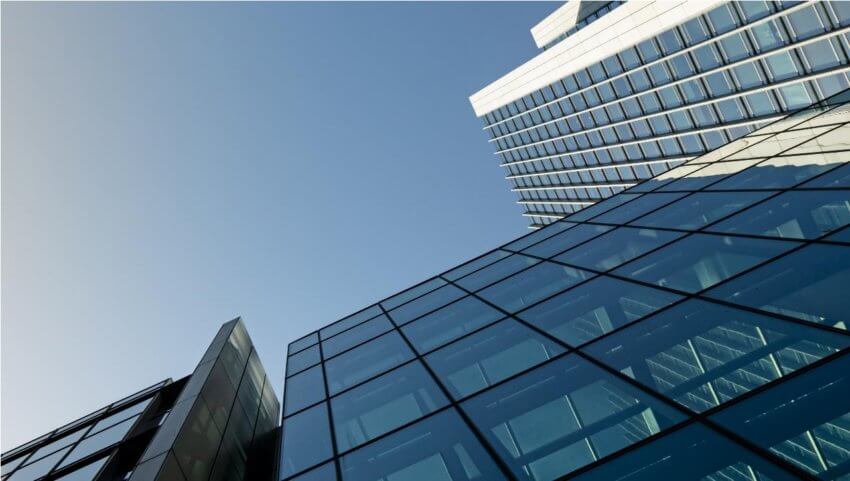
691, 327
219, 423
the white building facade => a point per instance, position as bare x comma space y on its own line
623, 91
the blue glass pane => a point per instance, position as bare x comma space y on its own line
637, 208
702, 354
496, 272
306, 440
567, 239
794, 215
700, 261
355, 336
538, 235
563, 416
412, 293
365, 361
449, 323
709, 174
694, 453
439, 448
383, 404
38, 468
617, 247
595, 308
809, 284
302, 360
781, 172
472, 266
700, 209
425, 304
95, 442
325, 472
86, 473
840, 177
302, 343
304, 389
804, 420
532, 285
840, 236
602, 206
490, 355
350, 321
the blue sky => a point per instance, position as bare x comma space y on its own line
167, 167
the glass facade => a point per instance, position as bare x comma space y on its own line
688, 90
693, 327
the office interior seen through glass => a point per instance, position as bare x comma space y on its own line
692, 327
219, 423
650, 85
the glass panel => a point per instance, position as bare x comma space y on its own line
356, 335
350, 321
565, 415
602, 206
325, 472
795, 215
472, 266
86, 473
490, 355
304, 389
617, 247
527, 287
694, 453
306, 440
412, 293
840, 236
778, 143
840, 177
449, 323
637, 208
496, 272
96, 442
303, 343
700, 261
703, 354
781, 172
302, 360
709, 174
830, 141
439, 448
426, 304
59, 443
383, 404
809, 284
565, 240
665, 177
700, 209
9, 466
595, 308
365, 361
39, 468
108, 421
804, 420
538, 235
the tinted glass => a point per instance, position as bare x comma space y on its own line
595, 308
383, 404
449, 323
306, 440
86, 473
426, 304
365, 361
780, 172
567, 239
325, 472
490, 355
565, 415
59, 443
602, 206
304, 342
637, 208
472, 266
96, 442
302, 360
350, 321
700, 261
700, 209
617, 247
496, 272
709, 174
703, 354
354, 336
37, 469
304, 389
538, 235
527, 287
412, 293
809, 284
439, 448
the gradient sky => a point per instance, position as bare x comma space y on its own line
167, 167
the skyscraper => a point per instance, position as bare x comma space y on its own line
693, 327
623, 91
219, 423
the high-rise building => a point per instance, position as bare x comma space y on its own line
693, 327
623, 91
219, 423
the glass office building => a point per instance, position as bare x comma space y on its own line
219, 423
692, 327
623, 91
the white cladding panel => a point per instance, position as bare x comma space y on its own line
556, 23
623, 27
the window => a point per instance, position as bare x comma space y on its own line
304, 389
638, 207
532, 285
411, 294
425, 304
449, 323
355, 335
617, 247
566, 240
700, 209
497, 271
365, 361
350, 321
306, 440
781, 172
103, 439
302, 360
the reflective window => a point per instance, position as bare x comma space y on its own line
565, 240
637, 208
38, 468
304, 389
439, 448
490, 355
425, 304
86, 473
839, 177
595, 308
306, 440
412, 293
325, 472
304, 342
302, 360
837, 139
694, 453
700, 209
565, 415
95, 442
795, 214
809, 284
365, 361
60, 443
532, 285
617, 247
472, 266
449, 323
355, 336
496, 272
700, 261
383, 404
538, 235
349, 321
709, 174
803, 420
602, 206
702, 354
780, 172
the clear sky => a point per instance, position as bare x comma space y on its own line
167, 167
